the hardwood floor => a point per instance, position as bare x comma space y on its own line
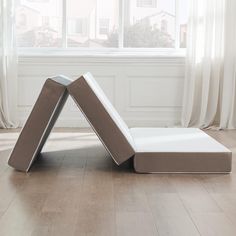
76, 189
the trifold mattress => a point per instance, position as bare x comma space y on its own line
40, 122
154, 150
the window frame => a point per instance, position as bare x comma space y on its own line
119, 51
139, 4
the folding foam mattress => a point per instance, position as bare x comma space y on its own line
153, 150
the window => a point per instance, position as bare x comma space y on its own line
146, 3
43, 25
101, 24
79, 26
100, 20
164, 25
22, 20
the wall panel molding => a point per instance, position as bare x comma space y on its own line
146, 91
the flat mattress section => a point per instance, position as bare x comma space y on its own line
178, 150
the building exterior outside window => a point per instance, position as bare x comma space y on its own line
96, 23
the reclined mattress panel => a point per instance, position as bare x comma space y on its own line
103, 118
39, 123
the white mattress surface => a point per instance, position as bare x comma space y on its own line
174, 140
109, 107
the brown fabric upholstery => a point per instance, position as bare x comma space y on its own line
170, 162
39, 124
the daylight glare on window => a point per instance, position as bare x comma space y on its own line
101, 23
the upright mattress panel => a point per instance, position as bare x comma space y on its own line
39, 123
103, 118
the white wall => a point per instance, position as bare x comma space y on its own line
147, 91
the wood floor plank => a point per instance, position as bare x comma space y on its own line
135, 223
1, 214
176, 226
10, 185
226, 201
166, 205
188, 184
65, 196
95, 223
127, 196
96, 215
155, 184
214, 224
22, 214
3, 161
200, 203
219, 183
57, 223
170, 215
231, 216
194, 195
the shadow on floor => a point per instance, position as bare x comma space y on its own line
94, 157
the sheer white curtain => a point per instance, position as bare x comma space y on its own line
8, 66
209, 93
228, 104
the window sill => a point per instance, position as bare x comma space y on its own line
82, 57
137, 53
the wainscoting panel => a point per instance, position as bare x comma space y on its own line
157, 89
146, 91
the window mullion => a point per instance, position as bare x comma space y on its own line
121, 24
177, 25
64, 23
